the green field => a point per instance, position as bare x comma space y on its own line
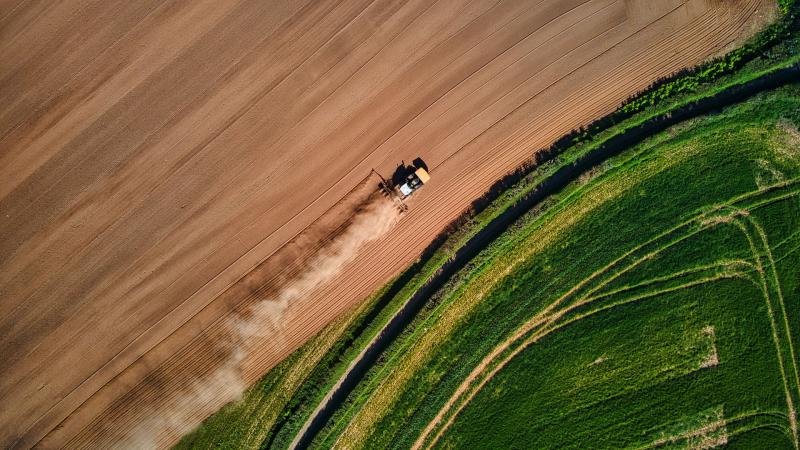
654, 302
679, 325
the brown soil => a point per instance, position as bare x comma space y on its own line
155, 154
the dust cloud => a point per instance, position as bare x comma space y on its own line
181, 412
185, 409
370, 223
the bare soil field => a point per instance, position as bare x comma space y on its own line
165, 164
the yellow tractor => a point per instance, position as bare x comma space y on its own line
415, 179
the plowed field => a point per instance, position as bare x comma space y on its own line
156, 158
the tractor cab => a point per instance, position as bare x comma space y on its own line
414, 181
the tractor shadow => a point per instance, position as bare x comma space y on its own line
402, 171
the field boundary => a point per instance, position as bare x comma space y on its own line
730, 95
513, 188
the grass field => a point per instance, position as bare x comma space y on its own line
681, 332
655, 303
667, 292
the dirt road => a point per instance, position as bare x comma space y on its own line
155, 154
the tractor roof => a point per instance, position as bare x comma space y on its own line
422, 174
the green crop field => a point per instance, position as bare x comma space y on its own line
656, 303
679, 325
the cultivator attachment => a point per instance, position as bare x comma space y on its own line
390, 192
406, 181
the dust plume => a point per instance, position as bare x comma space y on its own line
265, 319
183, 411
370, 223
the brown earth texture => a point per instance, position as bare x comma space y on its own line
166, 166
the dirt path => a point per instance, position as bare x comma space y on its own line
153, 153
